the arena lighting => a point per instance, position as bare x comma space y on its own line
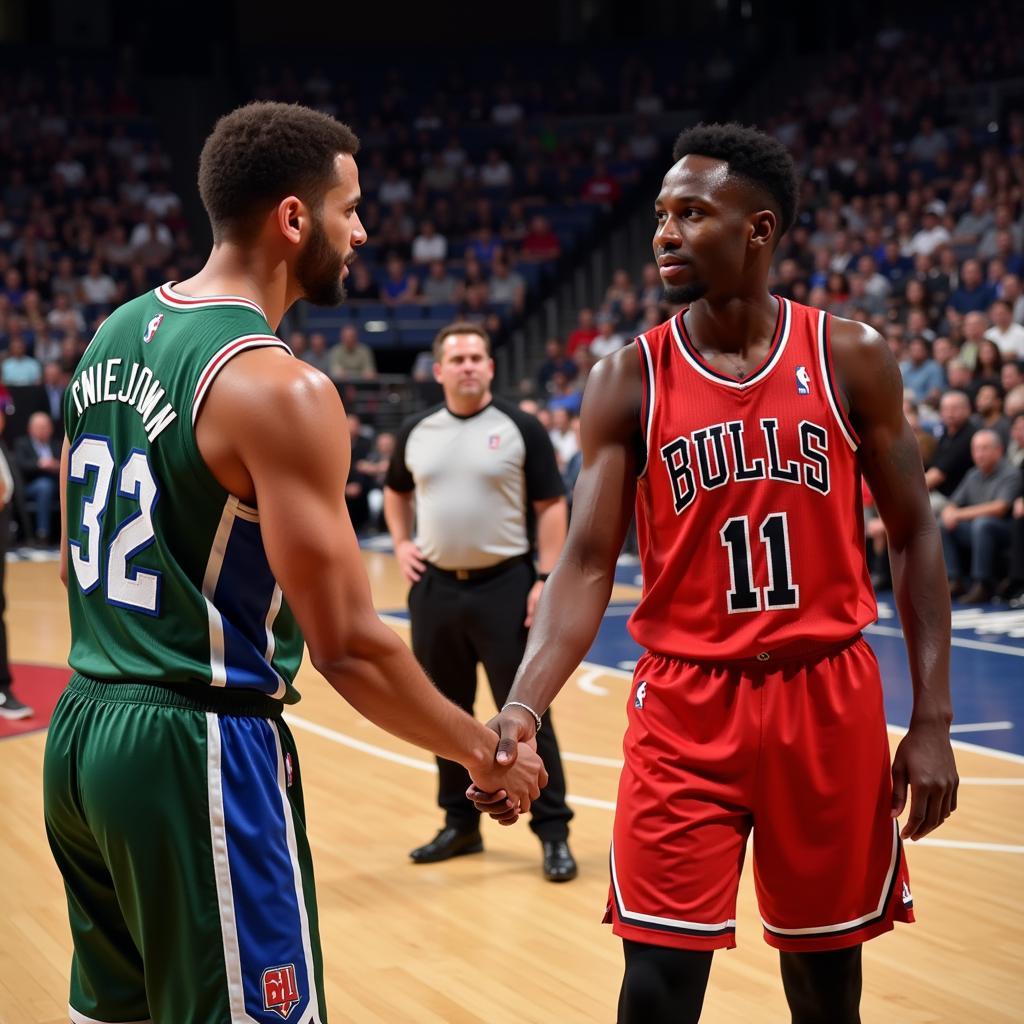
375, 326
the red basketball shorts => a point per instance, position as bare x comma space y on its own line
796, 752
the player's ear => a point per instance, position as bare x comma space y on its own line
291, 218
763, 226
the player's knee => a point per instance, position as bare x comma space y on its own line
662, 985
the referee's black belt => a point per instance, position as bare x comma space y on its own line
477, 575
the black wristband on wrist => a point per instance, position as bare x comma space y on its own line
543, 576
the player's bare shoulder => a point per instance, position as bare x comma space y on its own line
614, 394
866, 369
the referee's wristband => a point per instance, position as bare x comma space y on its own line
520, 704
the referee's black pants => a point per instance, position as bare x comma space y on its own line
457, 624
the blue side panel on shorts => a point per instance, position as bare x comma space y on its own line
269, 924
245, 589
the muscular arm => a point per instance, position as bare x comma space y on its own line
891, 463
294, 462
577, 593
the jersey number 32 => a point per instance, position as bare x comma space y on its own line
125, 587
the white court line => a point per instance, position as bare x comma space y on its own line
982, 780
587, 682
601, 762
981, 727
581, 801
957, 641
963, 844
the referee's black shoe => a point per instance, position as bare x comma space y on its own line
559, 863
449, 842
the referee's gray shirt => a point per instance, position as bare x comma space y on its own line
475, 479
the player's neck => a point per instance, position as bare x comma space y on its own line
734, 324
232, 270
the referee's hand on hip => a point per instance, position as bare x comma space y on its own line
410, 560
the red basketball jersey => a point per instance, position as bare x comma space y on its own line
749, 512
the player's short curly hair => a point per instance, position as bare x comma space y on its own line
262, 152
757, 158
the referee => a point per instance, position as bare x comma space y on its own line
475, 474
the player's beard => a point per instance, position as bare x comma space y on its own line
318, 269
685, 294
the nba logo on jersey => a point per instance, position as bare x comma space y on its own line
803, 381
280, 993
152, 327
641, 694
289, 775
494, 441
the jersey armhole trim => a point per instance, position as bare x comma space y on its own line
223, 356
647, 401
828, 376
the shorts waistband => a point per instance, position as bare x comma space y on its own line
477, 575
189, 697
800, 652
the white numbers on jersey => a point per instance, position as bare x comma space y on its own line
134, 589
743, 595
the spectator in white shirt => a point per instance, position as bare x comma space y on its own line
931, 236
98, 287
1009, 336
429, 245
149, 232
496, 172
563, 437
607, 341
394, 189
162, 201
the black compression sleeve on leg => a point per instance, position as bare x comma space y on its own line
662, 985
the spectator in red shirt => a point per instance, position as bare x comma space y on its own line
602, 187
585, 333
540, 242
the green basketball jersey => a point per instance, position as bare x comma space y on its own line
168, 580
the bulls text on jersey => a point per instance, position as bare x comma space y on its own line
721, 453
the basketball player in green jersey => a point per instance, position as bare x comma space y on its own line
204, 535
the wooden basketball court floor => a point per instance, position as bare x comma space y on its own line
484, 939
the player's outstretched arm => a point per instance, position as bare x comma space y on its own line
576, 595
273, 431
891, 462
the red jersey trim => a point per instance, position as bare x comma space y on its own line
828, 376
861, 922
223, 356
179, 302
664, 924
689, 351
647, 406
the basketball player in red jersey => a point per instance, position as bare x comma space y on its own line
739, 430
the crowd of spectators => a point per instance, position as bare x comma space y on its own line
912, 220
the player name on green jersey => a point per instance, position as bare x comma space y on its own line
108, 382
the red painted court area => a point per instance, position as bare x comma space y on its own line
39, 686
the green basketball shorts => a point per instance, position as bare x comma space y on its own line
177, 821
